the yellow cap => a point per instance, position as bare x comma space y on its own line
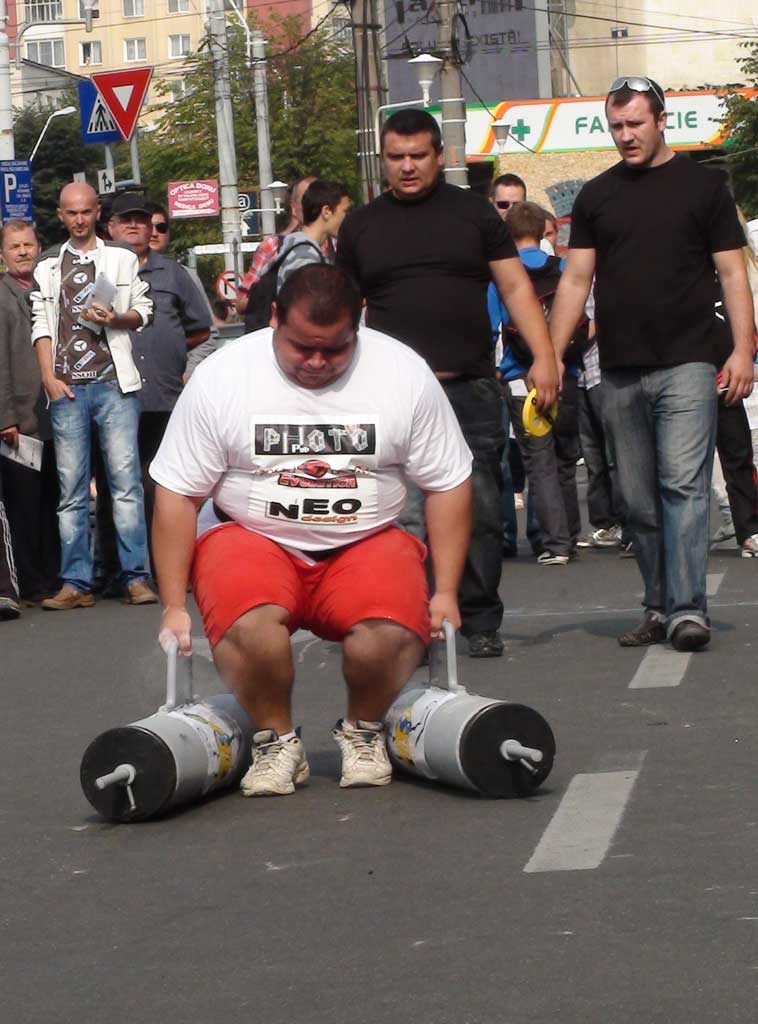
535, 423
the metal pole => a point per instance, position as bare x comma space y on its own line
7, 147
370, 92
265, 174
451, 100
109, 165
134, 153
231, 224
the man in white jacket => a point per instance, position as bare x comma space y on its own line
88, 373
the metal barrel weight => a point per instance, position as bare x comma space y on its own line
442, 732
186, 750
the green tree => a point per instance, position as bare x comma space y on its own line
60, 155
312, 119
742, 145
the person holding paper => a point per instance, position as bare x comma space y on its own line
27, 465
85, 358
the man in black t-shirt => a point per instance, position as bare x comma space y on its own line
423, 254
656, 229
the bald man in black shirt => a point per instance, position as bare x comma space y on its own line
423, 254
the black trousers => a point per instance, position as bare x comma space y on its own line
735, 447
8, 577
31, 500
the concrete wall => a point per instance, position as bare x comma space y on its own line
539, 170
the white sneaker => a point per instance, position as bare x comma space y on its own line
750, 547
610, 538
364, 754
278, 766
548, 558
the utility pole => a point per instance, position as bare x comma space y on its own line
231, 218
265, 174
451, 100
370, 91
7, 148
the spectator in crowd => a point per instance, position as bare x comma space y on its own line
550, 461
652, 228
268, 250
551, 229
423, 253
31, 495
506, 190
324, 206
312, 496
9, 603
180, 323
86, 298
160, 235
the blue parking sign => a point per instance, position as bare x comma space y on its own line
97, 123
16, 190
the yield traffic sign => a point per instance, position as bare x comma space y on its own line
123, 93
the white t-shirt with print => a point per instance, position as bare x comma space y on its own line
312, 470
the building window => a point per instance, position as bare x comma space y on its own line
178, 6
47, 51
178, 46
343, 30
135, 49
90, 53
177, 89
134, 8
43, 10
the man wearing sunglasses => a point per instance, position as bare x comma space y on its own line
661, 234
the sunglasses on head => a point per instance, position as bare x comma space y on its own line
503, 204
637, 83
161, 228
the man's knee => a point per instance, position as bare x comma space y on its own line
255, 625
379, 638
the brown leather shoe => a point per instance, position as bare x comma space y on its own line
138, 592
68, 597
651, 631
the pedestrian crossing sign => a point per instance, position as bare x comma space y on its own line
97, 123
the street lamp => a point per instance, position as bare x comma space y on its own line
426, 67
502, 130
56, 113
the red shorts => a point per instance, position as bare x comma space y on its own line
381, 577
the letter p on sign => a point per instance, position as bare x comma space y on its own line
10, 183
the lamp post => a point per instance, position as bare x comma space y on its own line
502, 130
426, 67
56, 113
7, 145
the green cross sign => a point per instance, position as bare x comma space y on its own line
520, 130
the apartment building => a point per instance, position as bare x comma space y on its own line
125, 33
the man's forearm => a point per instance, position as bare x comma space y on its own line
448, 524
174, 529
568, 310
195, 338
739, 306
44, 350
129, 321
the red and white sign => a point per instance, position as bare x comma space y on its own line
123, 93
226, 286
193, 198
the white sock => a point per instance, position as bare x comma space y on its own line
291, 735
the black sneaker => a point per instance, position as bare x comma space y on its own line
652, 631
690, 636
485, 645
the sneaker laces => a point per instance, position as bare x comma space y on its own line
363, 743
265, 757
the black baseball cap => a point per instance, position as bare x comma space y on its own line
130, 202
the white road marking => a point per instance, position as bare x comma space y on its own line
713, 581
660, 667
583, 827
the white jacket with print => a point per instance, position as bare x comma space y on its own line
121, 267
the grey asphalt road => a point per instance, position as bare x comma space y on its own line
625, 889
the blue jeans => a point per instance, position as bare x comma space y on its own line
663, 430
117, 419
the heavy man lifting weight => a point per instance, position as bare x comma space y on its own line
307, 458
